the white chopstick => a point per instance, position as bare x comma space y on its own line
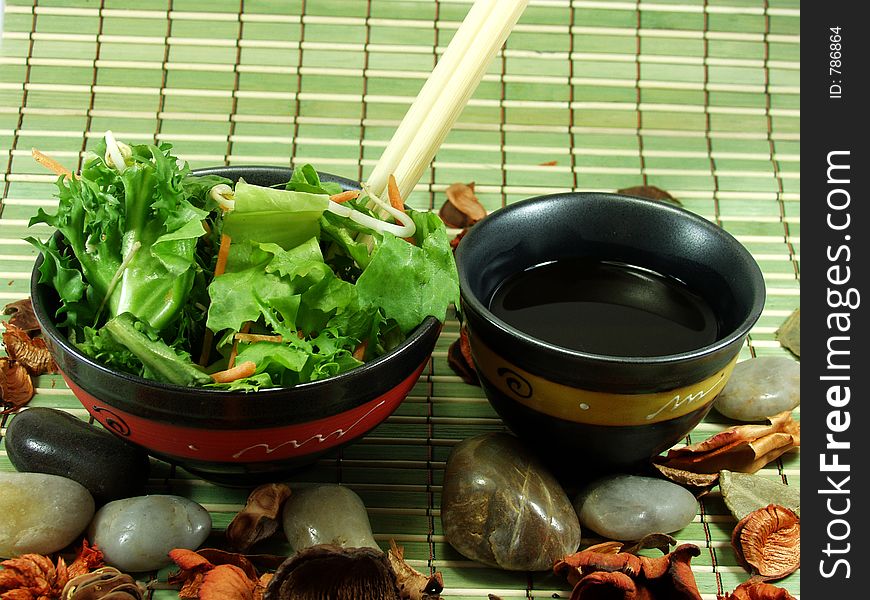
445, 94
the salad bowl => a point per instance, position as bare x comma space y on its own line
238, 437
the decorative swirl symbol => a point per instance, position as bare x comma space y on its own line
515, 382
112, 421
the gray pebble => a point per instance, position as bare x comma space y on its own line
628, 507
326, 514
760, 388
136, 534
41, 513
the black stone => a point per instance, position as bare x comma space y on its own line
46, 440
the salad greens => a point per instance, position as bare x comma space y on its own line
309, 288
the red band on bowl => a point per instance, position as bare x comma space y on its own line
247, 445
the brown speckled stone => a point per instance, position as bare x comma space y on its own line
502, 508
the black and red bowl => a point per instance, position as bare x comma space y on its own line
238, 438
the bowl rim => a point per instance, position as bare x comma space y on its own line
755, 278
53, 333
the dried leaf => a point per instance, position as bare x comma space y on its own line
32, 574
462, 208
688, 478
188, 560
603, 574
259, 519
789, 333
22, 315
227, 582
458, 238
413, 585
745, 492
757, 590
768, 542
16, 387
744, 448
659, 541
650, 192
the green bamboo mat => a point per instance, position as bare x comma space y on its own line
700, 98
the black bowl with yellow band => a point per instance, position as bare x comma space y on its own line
619, 410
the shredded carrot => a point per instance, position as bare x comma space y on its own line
223, 255
250, 338
345, 196
360, 351
246, 369
395, 197
246, 327
50, 164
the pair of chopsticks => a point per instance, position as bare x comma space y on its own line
445, 94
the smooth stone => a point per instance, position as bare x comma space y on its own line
46, 440
41, 513
744, 493
628, 507
326, 514
760, 388
501, 507
136, 534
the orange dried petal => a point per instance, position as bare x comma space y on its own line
16, 387
189, 560
33, 354
768, 541
757, 590
226, 582
462, 208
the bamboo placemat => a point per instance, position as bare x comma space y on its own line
700, 98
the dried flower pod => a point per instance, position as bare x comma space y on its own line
259, 519
597, 574
16, 387
22, 315
768, 541
106, 583
462, 208
331, 571
413, 585
744, 448
33, 354
32, 576
757, 590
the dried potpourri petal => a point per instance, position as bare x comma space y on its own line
259, 519
744, 448
106, 583
659, 541
597, 574
459, 358
16, 387
32, 574
196, 567
22, 315
462, 208
88, 559
789, 333
700, 481
413, 585
227, 582
768, 542
32, 353
651, 192
755, 589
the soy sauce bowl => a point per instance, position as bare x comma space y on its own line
230, 437
607, 412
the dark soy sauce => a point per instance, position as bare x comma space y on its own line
604, 307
